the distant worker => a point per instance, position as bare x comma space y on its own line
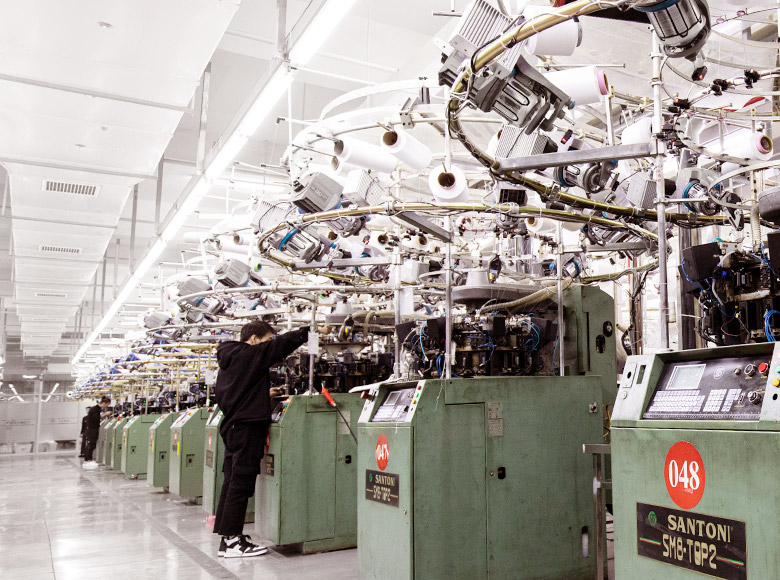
83, 435
94, 417
243, 394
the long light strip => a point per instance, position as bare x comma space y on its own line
319, 30
46, 400
312, 38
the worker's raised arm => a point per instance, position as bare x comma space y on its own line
271, 352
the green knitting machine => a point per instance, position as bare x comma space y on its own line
306, 492
695, 447
186, 445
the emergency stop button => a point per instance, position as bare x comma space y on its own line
763, 368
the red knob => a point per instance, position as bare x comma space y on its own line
763, 367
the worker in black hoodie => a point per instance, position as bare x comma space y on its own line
243, 395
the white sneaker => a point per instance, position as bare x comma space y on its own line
239, 547
89, 465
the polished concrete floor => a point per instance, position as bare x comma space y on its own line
57, 521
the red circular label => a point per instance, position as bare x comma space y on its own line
684, 475
382, 452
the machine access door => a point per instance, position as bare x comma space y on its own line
450, 521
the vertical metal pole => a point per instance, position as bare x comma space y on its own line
281, 29
561, 320
94, 298
116, 268
448, 354
600, 555
158, 196
103, 287
608, 116
663, 284
39, 393
6, 189
133, 220
312, 355
200, 155
395, 273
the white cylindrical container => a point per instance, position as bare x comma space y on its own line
743, 144
407, 149
448, 186
585, 85
640, 131
365, 155
560, 40
540, 225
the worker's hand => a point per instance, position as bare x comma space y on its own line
277, 391
324, 329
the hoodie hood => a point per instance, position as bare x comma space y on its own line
226, 352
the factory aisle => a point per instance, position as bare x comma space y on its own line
57, 521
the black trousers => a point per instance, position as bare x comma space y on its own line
92, 439
83, 444
244, 446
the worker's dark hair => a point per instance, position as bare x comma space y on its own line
105, 399
258, 328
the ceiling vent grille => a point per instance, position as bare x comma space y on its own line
59, 249
50, 295
74, 188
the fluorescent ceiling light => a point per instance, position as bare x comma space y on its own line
225, 156
274, 90
46, 400
29, 376
319, 29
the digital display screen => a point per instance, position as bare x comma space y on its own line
686, 377
392, 398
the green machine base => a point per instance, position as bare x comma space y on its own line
479, 478
159, 453
306, 489
108, 443
135, 445
186, 446
695, 447
100, 449
214, 455
116, 449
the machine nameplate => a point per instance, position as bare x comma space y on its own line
269, 464
382, 487
702, 543
496, 427
209, 459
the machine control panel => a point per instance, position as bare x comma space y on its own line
399, 405
720, 389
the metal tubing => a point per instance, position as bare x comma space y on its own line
116, 268
39, 391
158, 196
663, 283
134, 217
561, 159
313, 355
448, 354
561, 320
